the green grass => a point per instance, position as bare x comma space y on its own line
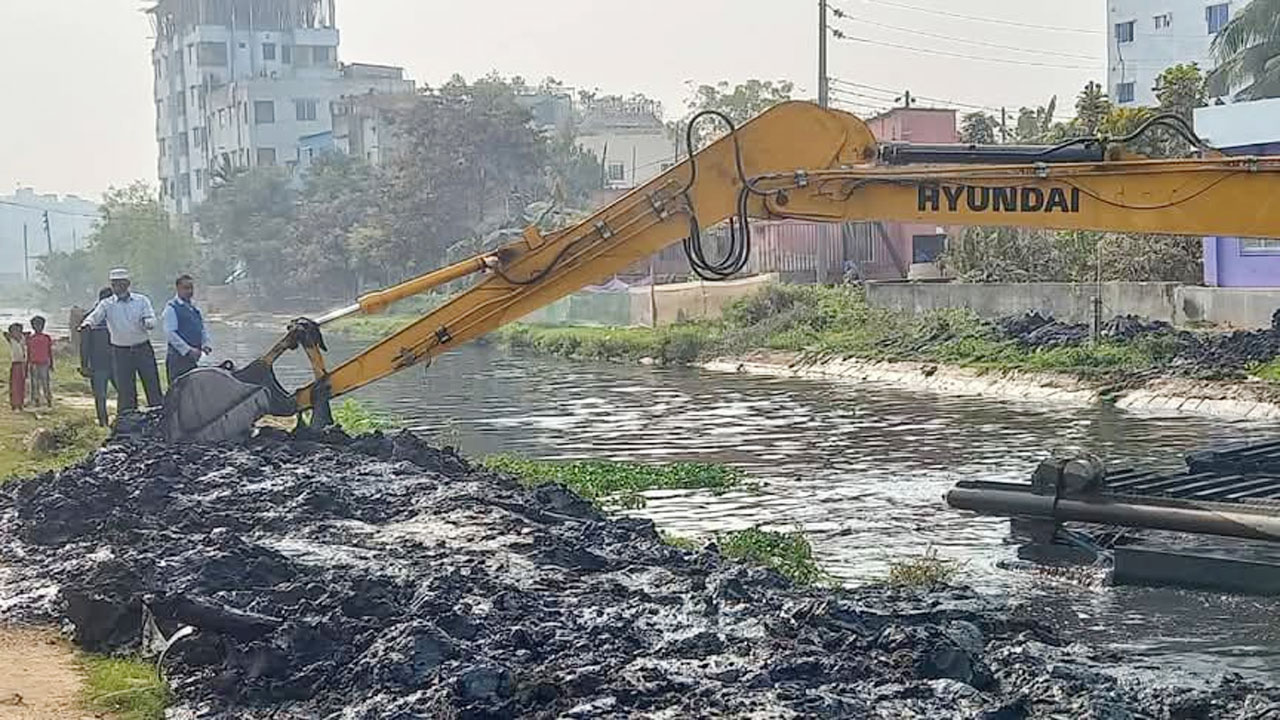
679, 542
825, 322
790, 554
676, 345
616, 484
357, 419
371, 327
129, 689
1267, 371
924, 572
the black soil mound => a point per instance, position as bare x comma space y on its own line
381, 578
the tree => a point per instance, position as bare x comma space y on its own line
1092, 108
247, 223
1181, 89
136, 233
1247, 51
740, 103
978, 128
1036, 124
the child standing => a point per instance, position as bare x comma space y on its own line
17, 367
40, 362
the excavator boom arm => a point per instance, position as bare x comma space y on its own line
794, 161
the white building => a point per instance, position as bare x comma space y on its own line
71, 220
1145, 37
628, 138
238, 83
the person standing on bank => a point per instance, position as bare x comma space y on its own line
95, 361
184, 330
130, 320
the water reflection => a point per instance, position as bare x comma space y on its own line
862, 470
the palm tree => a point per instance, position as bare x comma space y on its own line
1247, 51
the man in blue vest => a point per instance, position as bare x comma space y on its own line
184, 330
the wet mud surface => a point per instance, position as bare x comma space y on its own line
382, 578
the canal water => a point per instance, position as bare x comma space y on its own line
861, 470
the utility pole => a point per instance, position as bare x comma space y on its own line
48, 236
823, 81
906, 99
1004, 125
26, 255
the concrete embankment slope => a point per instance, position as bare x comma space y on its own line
381, 578
1251, 399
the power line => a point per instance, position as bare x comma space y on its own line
926, 98
975, 18
847, 16
930, 51
36, 208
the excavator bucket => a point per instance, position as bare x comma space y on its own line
212, 405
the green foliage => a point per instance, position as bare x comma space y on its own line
1246, 51
675, 345
790, 554
129, 689
740, 102
1181, 89
357, 419
135, 232
247, 221
1267, 371
983, 254
1036, 125
617, 484
1092, 108
679, 542
923, 573
979, 128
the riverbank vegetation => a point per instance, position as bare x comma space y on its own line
40, 439
825, 322
617, 485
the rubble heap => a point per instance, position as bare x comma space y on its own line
382, 578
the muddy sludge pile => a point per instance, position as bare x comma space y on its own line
1204, 355
381, 578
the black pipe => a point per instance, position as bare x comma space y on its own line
912, 154
1199, 518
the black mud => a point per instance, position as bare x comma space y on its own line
381, 578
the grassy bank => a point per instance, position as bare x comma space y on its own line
40, 439
838, 322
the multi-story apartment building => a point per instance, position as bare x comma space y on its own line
1145, 37
241, 83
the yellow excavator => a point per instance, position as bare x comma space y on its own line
796, 160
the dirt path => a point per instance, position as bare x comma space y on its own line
39, 679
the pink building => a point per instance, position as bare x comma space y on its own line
914, 243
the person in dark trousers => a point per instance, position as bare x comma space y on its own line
95, 362
130, 320
185, 331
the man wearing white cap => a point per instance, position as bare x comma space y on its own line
130, 320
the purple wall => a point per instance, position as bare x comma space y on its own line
1226, 264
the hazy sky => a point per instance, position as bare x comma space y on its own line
75, 75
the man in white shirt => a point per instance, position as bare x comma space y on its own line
130, 320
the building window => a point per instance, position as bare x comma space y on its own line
266, 157
1259, 246
1124, 92
268, 51
1164, 21
286, 54
617, 172
164, 148
1124, 32
264, 112
183, 149
321, 54
306, 109
199, 179
1217, 16
212, 54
